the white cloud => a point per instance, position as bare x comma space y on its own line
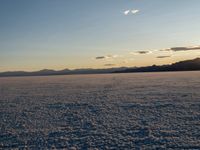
126, 12
135, 11
129, 12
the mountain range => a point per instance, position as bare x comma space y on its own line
187, 65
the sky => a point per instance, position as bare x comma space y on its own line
59, 34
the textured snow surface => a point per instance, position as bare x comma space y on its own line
113, 111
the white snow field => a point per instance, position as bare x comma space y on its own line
111, 111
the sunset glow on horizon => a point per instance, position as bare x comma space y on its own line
75, 34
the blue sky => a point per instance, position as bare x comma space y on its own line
72, 33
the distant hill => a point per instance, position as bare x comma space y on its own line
47, 72
188, 65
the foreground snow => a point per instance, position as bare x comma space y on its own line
118, 111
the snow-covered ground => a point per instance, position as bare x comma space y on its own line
113, 111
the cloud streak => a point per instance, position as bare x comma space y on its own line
109, 65
146, 52
172, 49
106, 57
177, 49
141, 52
100, 57
161, 57
131, 12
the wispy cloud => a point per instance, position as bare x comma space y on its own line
141, 52
146, 52
129, 11
166, 56
109, 65
100, 57
135, 11
176, 49
107, 57
172, 49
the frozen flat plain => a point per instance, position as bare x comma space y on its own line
111, 111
